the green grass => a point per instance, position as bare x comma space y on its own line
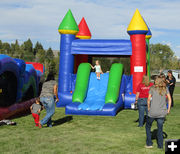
177, 92
85, 134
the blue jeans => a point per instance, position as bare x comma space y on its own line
49, 105
149, 122
142, 107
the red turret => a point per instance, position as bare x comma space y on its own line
137, 30
84, 33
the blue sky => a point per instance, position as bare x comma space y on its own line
39, 19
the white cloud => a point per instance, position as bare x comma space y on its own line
39, 19
167, 43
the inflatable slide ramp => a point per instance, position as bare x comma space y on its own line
97, 97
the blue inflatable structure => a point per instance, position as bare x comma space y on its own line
18, 81
78, 49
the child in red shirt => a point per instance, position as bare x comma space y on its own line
141, 98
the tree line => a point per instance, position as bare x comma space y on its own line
31, 53
161, 56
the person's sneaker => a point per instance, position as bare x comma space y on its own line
148, 147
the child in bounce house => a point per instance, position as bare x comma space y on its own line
98, 69
35, 110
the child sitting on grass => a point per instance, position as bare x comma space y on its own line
35, 110
98, 69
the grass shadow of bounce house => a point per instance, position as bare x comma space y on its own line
78, 90
19, 82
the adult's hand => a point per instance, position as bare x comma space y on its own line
57, 100
167, 81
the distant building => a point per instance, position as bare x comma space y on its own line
55, 52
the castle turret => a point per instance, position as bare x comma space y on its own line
137, 30
148, 37
84, 33
68, 25
68, 29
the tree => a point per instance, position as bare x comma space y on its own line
40, 56
56, 59
52, 67
175, 63
0, 44
1, 47
37, 47
161, 56
6, 48
15, 48
28, 46
49, 55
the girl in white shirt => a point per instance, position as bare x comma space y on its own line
98, 69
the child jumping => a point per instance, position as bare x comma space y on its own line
35, 110
98, 69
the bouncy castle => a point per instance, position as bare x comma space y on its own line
79, 91
19, 82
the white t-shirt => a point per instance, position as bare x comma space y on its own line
98, 68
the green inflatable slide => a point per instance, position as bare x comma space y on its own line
82, 82
114, 83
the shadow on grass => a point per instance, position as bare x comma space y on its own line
154, 134
62, 120
20, 115
145, 117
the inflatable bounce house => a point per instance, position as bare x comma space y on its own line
79, 91
19, 81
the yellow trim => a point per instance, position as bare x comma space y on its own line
83, 37
0, 90
61, 31
148, 36
137, 22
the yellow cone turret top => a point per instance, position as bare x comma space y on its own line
137, 24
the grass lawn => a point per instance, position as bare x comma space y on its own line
177, 92
86, 134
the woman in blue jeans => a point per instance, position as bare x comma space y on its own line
49, 90
141, 98
157, 110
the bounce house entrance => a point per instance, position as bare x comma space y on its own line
29, 94
105, 61
8, 89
